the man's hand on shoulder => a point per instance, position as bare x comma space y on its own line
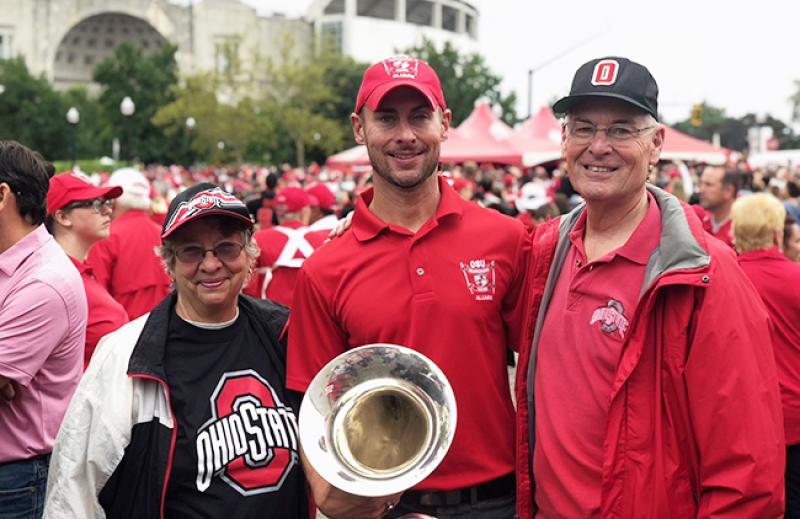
341, 226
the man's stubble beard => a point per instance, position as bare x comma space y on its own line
428, 167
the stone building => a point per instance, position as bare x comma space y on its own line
65, 39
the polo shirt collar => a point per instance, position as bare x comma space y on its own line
640, 244
11, 259
759, 254
367, 226
84, 268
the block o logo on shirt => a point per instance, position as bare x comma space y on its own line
605, 72
251, 441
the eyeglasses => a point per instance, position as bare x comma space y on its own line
225, 251
99, 205
616, 133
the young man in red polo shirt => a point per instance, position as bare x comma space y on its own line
646, 386
758, 230
423, 268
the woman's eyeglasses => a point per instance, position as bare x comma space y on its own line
225, 251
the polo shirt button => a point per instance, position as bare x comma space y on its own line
420, 271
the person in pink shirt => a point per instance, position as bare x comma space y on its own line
42, 328
125, 264
78, 216
758, 234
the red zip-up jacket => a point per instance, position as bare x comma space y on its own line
694, 425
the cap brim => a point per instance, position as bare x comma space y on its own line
373, 101
209, 212
564, 104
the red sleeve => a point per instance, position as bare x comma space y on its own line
101, 258
513, 308
730, 374
315, 336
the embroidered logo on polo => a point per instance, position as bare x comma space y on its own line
611, 318
401, 67
480, 277
250, 442
202, 201
605, 72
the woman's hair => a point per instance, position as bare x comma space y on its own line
756, 218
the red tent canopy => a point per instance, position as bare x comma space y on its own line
355, 156
481, 137
539, 138
680, 146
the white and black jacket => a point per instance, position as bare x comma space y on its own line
113, 453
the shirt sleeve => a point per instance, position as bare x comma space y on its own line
33, 322
514, 302
101, 259
315, 336
734, 402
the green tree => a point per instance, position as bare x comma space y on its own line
302, 104
147, 80
31, 112
465, 79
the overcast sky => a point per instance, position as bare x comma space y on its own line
741, 56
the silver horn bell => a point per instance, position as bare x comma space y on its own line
377, 419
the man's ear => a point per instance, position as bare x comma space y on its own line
358, 128
6, 198
447, 117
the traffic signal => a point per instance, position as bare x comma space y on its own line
697, 115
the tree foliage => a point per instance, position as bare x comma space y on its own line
466, 78
147, 80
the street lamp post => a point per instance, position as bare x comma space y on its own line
73, 118
127, 107
190, 124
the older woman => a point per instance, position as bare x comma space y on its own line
78, 216
758, 222
183, 412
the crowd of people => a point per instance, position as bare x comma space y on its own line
158, 326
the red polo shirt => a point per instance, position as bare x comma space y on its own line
127, 266
584, 331
273, 242
450, 291
105, 314
777, 280
725, 231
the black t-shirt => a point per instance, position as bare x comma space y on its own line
236, 453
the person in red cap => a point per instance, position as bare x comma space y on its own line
184, 413
422, 268
323, 210
78, 216
284, 247
125, 263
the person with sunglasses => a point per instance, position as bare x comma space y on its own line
183, 412
78, 216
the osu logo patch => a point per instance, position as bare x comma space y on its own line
605, 72
203, 200
251, 440
611, 318
401, 67
480, 277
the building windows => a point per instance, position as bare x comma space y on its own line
383, 9
332, 35
335, 7
419, 12
6, 44
449, 18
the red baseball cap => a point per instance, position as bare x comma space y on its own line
325, 198
291, 200
391, 73
75, 187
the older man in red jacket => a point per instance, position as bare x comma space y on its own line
646, 387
